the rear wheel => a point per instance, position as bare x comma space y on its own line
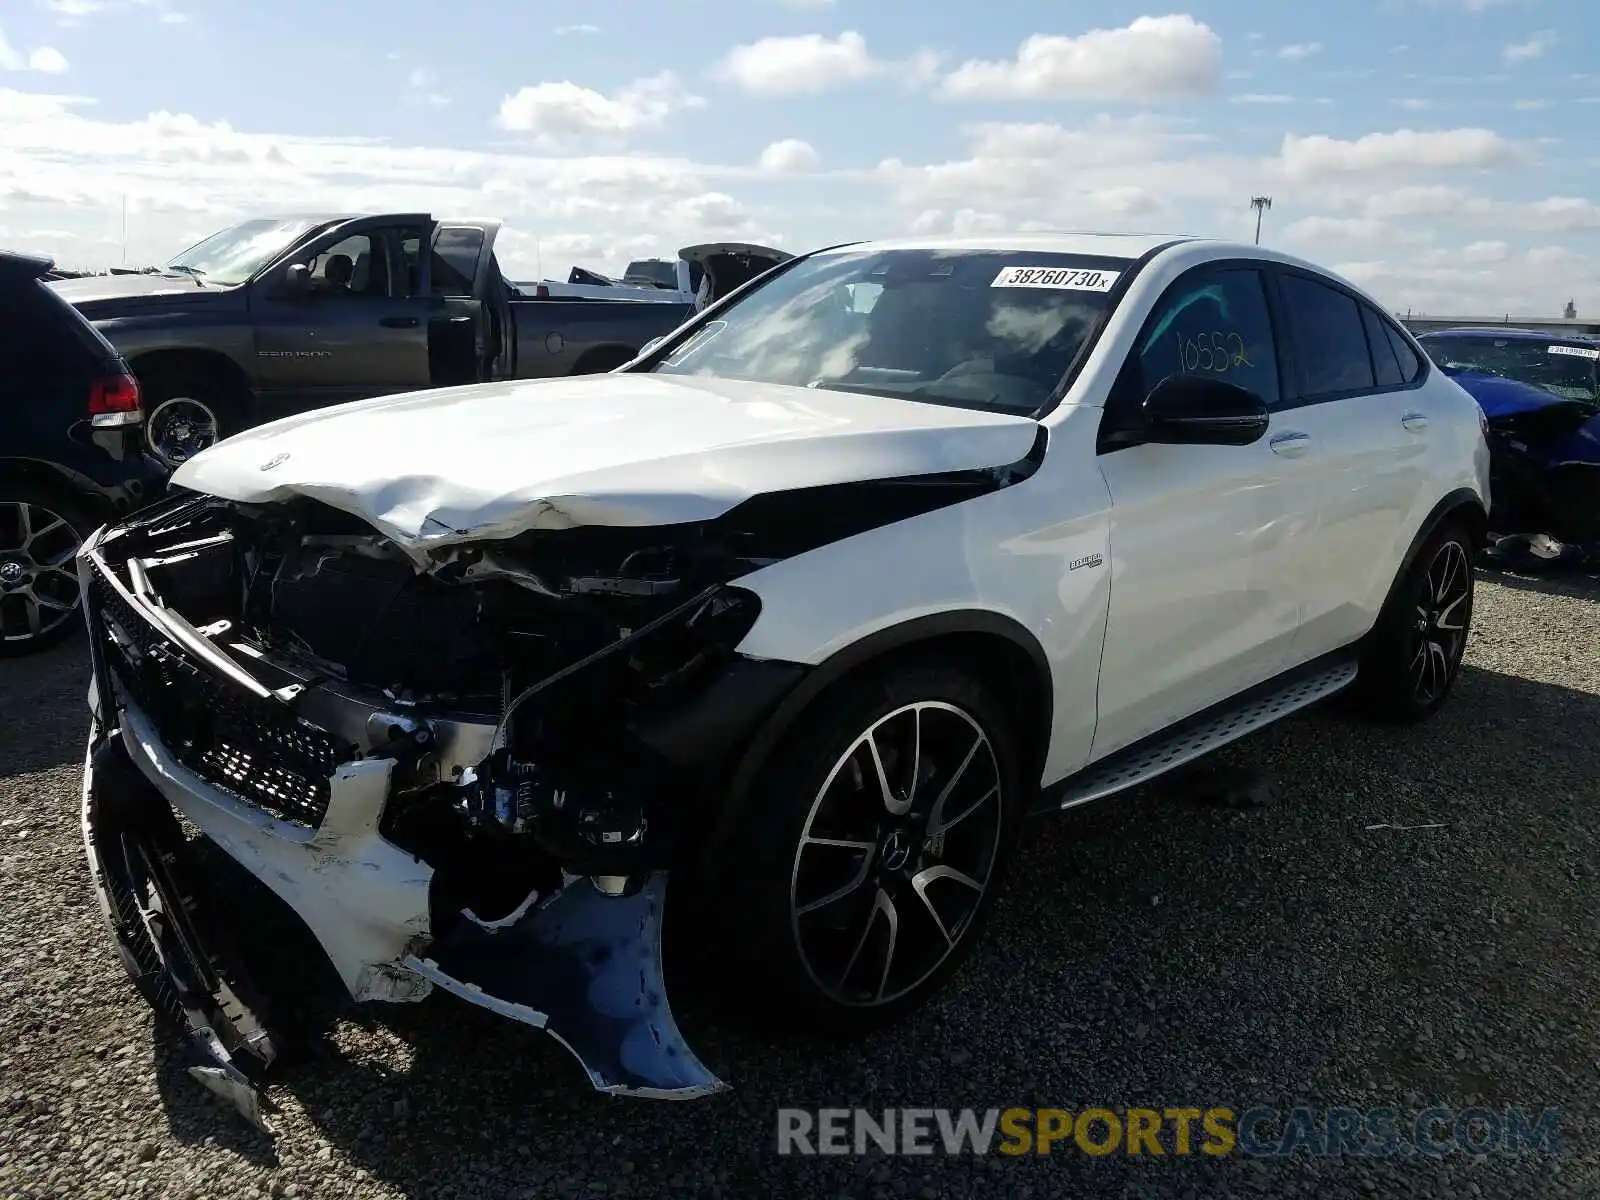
1416, 650
876, 844
41, 533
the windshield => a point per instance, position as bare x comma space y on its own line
235, 254
1570, 371
978, 329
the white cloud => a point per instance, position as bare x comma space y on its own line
73, 12
1299, 50
1261, 98
47, 60
1533, 48
790, 155
1155, 58
569, 30
424, 87
1332, 234
1403, 150
567, 110
1415, 104
44, 59
813, 62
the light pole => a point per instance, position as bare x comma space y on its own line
1260, 204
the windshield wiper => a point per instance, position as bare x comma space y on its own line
180, 269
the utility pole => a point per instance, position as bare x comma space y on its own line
124, 228
1260, 204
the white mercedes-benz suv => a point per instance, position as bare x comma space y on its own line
805, 609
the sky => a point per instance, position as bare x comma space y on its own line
1443, 154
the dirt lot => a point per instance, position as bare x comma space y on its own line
1150, 951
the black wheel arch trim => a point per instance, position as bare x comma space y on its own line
864, 652
1460, 502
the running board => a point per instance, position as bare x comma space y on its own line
1199, 736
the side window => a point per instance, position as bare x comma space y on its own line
455, 260
1385, 363
333, 271
368, 265
1213, 323
1330, 340
1410, 363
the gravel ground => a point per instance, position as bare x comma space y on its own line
1150, 951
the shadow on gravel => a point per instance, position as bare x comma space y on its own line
44, 713
1554, 581
1395, 928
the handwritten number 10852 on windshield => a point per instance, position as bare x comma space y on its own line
1215, 351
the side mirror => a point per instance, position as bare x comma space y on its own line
297, 280
1191, 410
649, 346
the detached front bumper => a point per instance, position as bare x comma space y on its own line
582, 964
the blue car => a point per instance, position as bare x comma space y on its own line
1540, 395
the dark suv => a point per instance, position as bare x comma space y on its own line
70, 452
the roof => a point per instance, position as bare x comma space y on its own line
1097, 245
29, 266
1501, 332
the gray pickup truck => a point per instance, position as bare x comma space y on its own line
278, 315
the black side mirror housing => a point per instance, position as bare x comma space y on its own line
297, 280
1191, 410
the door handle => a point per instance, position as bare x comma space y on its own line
399, 322
1414, 421
1290, 445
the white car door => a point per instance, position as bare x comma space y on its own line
1205, 599
1353, 389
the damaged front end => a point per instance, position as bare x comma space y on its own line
473, 774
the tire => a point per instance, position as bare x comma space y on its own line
1414, 657
185, 412
821, 867
41, 530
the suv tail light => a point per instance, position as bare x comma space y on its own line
113, 401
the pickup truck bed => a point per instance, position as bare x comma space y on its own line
570, 336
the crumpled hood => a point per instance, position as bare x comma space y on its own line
1499, 396
494, 460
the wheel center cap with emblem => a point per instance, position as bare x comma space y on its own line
896, 850
12, 571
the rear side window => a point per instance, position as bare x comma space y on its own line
1410, 361
1330, 339
1385, 363
1213, 323
39, 331
455, 260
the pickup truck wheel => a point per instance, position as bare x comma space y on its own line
185, 414
1415, 654
40, 535
864, 872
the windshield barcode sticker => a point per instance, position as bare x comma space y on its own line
1063, 278
1574, 351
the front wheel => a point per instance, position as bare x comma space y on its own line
1415, 654
186, 413
874, 847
